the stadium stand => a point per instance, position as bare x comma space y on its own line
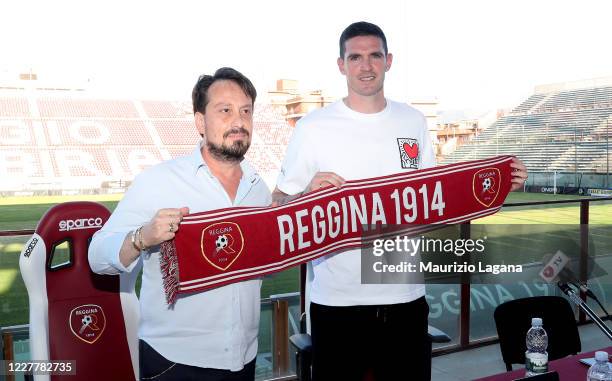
176, 132
96, 132
17, 132
566, 130
85, 108
54, 142
14, 107
164, 109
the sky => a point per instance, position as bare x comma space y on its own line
472, 54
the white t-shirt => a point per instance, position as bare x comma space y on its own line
355, 146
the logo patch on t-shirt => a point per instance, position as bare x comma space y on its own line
409, 152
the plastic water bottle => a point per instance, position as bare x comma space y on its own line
536, 357
600, 371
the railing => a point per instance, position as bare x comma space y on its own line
12, 233
282, 320
8, 336
281, 360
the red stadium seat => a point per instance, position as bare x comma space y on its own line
74, 313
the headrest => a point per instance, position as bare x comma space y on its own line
75, 222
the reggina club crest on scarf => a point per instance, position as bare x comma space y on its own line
221, 244
224, 246
486, 185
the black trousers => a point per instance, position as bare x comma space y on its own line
154, 366
388, 342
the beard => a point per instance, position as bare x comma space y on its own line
234, 152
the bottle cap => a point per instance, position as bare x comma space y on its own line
601, 356
536, 322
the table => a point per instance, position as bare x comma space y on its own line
569, 368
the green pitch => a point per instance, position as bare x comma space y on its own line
17, 213
600, 212
24, 212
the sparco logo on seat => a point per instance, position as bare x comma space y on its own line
83, 223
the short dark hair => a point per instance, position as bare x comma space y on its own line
361, 28
199, 95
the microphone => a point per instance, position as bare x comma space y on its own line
553, 267
556, 269
567, 290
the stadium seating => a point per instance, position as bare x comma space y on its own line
85, 108
14, 107
559, 131
17, 132
96, 132
54, 142
165, 109
176, 132
47, 136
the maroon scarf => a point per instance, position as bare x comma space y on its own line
224, 246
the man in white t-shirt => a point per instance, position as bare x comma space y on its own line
357, 328
211, 335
